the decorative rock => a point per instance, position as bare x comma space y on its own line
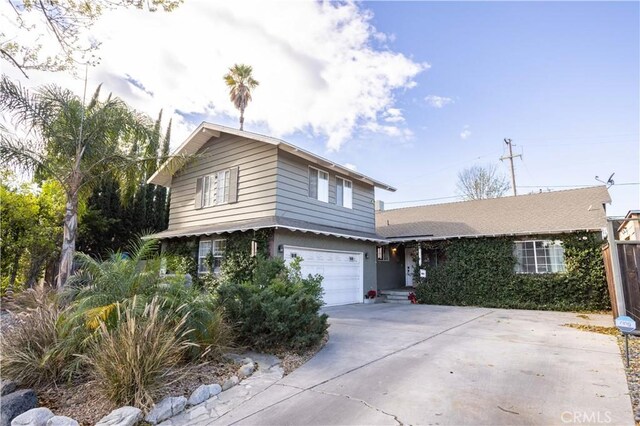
15, 404
168, 407
62, 421
123, 416
33, 417
230, 383
214, 389
200, 395
246, 370
6, 387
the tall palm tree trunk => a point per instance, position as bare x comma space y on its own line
68, 239
242, 119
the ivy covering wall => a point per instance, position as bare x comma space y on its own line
237, 264
480, 272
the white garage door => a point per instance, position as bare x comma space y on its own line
342, 272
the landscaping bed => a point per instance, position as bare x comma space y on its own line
72, 400
291, 360
633, 372
121, 333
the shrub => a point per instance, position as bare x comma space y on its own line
37, 351
480, 272
277, 308
130, 361
102, 285
203, 319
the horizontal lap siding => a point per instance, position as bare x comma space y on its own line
293, 200
257, 168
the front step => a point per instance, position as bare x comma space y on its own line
399, 302
396, 296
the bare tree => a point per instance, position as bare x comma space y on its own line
480, 182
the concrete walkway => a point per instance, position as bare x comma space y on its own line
417, 364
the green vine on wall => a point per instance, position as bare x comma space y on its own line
480, 272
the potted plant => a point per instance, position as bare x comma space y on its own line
370, 297
412, 297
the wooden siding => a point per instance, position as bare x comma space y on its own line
257, 163
293, 199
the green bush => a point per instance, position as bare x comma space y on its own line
100, 286
480, 272
276, 308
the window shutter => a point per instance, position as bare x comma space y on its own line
313, 183
233, 185
199, 193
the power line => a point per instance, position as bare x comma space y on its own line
511, 157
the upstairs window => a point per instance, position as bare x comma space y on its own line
344, 193
218, 188
539, 257
210, 255
318, 185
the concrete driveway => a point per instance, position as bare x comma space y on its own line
441, 365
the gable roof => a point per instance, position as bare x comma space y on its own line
543, 213
206, 131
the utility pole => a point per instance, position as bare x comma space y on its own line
511, 157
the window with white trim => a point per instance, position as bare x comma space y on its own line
318, 185
215, 188
539, 257
382, 253
344, 193
210, 255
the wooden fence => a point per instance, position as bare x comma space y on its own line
629, 261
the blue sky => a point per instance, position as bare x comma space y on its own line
409, 93
560, 79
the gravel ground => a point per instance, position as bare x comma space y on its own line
290, 360
633, 372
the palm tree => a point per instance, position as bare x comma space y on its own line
73, 143
240, 83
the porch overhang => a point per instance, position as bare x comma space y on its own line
272, 222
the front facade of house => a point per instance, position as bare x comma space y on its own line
535, 227
225, 182
238, 182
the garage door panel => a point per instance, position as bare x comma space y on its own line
342, 272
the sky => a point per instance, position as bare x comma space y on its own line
409, 93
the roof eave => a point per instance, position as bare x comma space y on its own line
510, 234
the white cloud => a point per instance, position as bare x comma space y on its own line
319, 69
465, 132
438, 101
393, 115
350, 166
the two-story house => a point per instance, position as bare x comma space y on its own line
228, 184
225, 181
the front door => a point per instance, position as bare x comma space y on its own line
409, 265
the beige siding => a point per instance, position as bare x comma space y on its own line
294, 201
257, 163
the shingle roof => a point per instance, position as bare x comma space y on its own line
543, 213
